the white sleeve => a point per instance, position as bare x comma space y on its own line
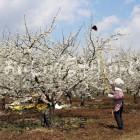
43, 98
110, 96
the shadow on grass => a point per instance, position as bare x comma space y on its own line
110, 126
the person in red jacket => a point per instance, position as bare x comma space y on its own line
118, 97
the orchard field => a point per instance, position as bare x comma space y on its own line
33, 65
93, 121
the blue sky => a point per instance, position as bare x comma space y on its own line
119, 8
109, 15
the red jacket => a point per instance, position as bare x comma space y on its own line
118, 97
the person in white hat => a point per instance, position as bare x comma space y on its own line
118, 97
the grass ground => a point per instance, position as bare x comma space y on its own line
92, 122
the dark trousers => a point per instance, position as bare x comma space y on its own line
118, 118
46, 118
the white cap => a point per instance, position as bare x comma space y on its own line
118, 82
